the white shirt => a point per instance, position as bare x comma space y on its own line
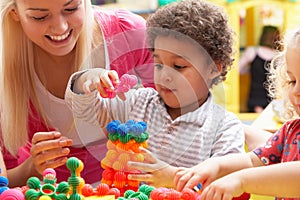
186, 141
60, 117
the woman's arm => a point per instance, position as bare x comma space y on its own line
19, 175
2, 165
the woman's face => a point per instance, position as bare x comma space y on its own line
181, 74
52, 25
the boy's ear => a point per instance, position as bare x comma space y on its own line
215, 70
14, 14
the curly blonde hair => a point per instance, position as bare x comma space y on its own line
201, 21
278, 79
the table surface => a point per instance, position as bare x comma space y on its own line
267, 121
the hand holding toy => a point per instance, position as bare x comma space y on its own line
127, 82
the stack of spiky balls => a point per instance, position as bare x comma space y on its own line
123, 146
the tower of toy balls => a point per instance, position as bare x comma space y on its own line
123, 146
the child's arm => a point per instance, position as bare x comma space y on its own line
282, 180
255, 137
96, 78
82, 96
214, 168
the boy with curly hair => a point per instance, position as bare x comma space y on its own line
192, 46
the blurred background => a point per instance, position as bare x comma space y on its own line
247, 18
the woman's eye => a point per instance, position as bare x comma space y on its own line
71, 9
39, 18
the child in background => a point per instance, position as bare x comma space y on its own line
255, 61
281, 151
185, 126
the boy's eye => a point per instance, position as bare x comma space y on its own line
158, 65
178, 67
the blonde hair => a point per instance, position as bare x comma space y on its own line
17, 73
278, 79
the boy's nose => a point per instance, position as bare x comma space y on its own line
165, 75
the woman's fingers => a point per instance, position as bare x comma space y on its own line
49, 150
43, 136
45, 145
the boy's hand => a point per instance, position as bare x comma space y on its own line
203, 173
157, 172
96, 78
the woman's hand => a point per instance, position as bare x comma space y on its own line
49, 150
157, 172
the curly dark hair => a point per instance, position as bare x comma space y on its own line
203, 22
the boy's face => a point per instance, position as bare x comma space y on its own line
181, 73
293, 71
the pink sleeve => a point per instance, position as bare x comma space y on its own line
125, 37
245, 60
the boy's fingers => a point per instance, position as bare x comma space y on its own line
106, 80
102, 91
141, 177
114, 77
87, 86
121, 96
141, 166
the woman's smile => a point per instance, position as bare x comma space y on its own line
60, 39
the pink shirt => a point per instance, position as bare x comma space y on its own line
124, 35
131, 56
